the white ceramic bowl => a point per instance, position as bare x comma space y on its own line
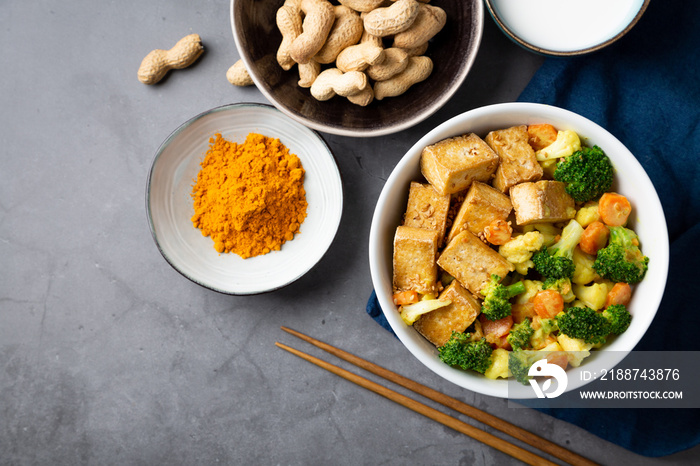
566, 28
169, 203
631, 180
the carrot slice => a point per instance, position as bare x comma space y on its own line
497, 328
594, 238
541, 135
621, 293
548, 303
614, 209
498, 232
560, 358
406, 297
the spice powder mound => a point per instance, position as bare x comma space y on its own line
249, 198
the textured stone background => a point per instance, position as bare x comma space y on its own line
109, 356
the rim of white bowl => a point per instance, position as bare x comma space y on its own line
416, 344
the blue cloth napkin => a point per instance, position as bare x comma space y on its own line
645, 90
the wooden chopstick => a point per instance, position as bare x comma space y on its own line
475, 413
473, 432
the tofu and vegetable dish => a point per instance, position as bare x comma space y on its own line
514, 248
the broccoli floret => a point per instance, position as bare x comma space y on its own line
519, 363
619, 318
468, 355
496, 303
549, 325
556, 261
588, 173
562, 286
584, 323
519, 336
622, 260
591, 326
552, 266
539, 338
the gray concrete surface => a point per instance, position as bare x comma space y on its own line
109, 356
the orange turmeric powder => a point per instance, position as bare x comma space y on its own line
249, 198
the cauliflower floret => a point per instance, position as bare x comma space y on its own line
583, 267
588, 214
518, 251
549, 231
548, 168
578, 303
576, 348
593, 295
553, 346
532, 287
411, 312
573, 344
566, 144
499, 365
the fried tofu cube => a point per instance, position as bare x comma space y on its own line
542, 202
427, 209
472, 262
437, 326
452, 164
518, 161
482, 205
415, 251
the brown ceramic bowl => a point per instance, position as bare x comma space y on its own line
452, 50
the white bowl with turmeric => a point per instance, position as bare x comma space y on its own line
243, 200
